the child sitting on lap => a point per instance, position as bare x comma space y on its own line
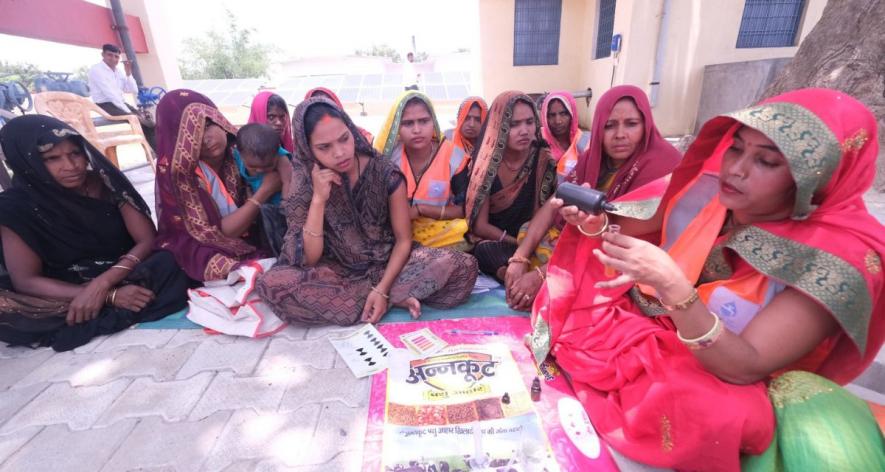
258, 152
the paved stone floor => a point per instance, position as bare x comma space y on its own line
182, 400
165, 400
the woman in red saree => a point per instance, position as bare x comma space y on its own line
769, 263
559, 127
205, 218
627, 152
270, 109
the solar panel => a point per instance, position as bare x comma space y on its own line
353, 80
393, 79
370, 94
436, 92
434, 78
449, 85
348, 94
372, 80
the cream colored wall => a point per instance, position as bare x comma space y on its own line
638, 24
159, 67
700, 32
709, 38
496, 51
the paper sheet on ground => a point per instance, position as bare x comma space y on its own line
365, 350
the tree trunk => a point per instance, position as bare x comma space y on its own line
845, 51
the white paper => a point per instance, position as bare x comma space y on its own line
365, 350
484, 283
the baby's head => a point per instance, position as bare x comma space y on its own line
258, 145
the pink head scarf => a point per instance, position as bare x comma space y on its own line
258, 114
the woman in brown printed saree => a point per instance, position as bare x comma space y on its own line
501, 199
348, 252
206, 218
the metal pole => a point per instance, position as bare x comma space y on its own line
660, 54
123, 30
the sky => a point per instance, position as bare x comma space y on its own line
298, 28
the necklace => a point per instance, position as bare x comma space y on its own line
419, 174
512, 168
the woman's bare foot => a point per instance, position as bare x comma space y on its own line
413, 305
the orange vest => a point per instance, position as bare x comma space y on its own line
434, 187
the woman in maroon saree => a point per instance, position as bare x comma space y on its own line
627, 151
206, 219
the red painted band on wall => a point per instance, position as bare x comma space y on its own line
67, 21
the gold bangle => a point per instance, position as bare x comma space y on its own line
707, 339
131, 257
442, 212
379, 292
121, 267
540, 273
601, 230
113, 296
520, 259
311, 233
254, 201
684, 304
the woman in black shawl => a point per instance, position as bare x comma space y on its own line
76, 258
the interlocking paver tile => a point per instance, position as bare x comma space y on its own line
229, 392
12, 370
317, 332
343, 462
16, 352
242, 466
326, 385
58, 448
339, 429
282, 437
149, 338
11, 401
284, 357
10, 443
240, 357
293, 332
99, 368
185, 336
78, 407
171, 400
181, 446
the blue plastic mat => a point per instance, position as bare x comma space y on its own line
491, 303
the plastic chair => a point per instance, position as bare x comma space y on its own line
78, 112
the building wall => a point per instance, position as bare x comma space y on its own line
700, 33
159, 66
496, 51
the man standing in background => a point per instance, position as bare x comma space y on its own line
107, 85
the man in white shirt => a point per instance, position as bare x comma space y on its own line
411, 77
107, 85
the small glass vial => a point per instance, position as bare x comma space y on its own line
610, 272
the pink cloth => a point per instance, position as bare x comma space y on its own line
258, 114
654, 158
